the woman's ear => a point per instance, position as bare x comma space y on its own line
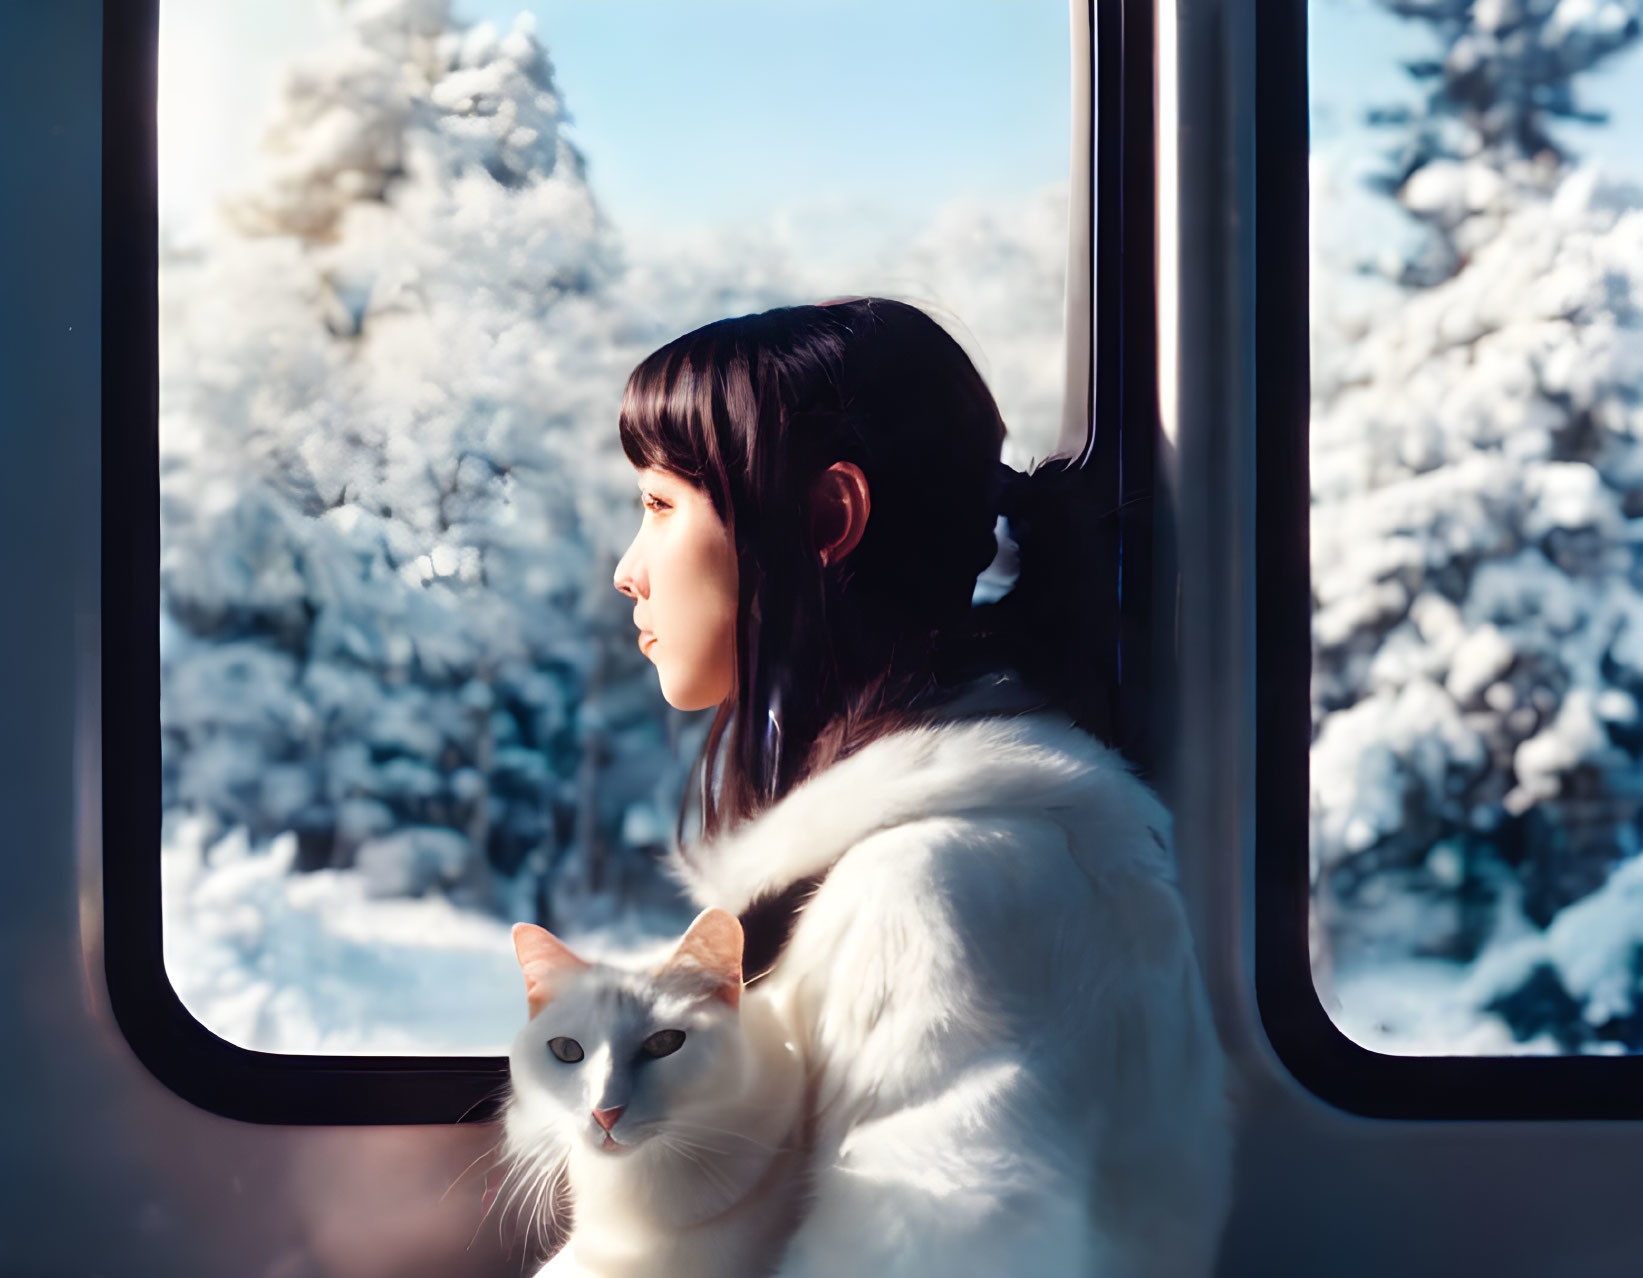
839, 506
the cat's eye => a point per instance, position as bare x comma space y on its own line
567, 1049
663, 1042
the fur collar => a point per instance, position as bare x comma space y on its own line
1036, 761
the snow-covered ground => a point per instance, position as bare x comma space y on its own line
1578, 971
317, 963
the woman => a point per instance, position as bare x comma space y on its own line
962, 900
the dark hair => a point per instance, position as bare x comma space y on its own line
827, 658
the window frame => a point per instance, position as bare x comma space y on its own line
267, 1087
1307, 1041
1121, 452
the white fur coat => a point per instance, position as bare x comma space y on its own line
1013, 1063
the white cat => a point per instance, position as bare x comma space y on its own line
668, 1103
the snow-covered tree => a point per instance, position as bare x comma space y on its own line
390, 475
1481, 137
1477, 485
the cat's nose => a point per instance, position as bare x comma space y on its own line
606, 1118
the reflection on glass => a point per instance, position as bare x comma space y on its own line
401, 702
1477, 483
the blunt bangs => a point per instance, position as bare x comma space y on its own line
656, 424
677, 416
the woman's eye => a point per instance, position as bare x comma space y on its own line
663, 1043
566, 1049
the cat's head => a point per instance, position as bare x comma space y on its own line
613, 1058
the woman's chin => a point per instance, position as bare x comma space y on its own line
691, 696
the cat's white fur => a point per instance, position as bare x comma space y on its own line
1014, 1066
705, 1174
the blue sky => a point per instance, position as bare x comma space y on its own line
719, 110
701, 113
698, 111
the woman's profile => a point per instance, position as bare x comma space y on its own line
961, 900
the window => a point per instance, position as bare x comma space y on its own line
1471, 815
369, 694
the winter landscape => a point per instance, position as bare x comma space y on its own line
1477, 488
401, 703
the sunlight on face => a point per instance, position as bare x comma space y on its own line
680, 573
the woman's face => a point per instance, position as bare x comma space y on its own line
680, 573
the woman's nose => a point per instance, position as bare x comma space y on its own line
624, 580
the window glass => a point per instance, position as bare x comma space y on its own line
1477, 505
408, 258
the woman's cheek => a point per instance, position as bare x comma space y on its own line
693, 606
684, 652
699, 674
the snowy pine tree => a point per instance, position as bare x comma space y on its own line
391, 484
1477, 481
1481, 142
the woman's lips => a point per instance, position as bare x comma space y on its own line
645, 638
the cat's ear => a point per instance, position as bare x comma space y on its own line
545, 960
712, 945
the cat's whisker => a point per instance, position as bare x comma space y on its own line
544, 1193
702, 1167
507, 1195
699, 1146
741, 1138
523, 1209
490, 1200
521, 1193
554, 1230
493, 1152
490, 1206
710, 1171
499, 1092
533, 1227
544, 1205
